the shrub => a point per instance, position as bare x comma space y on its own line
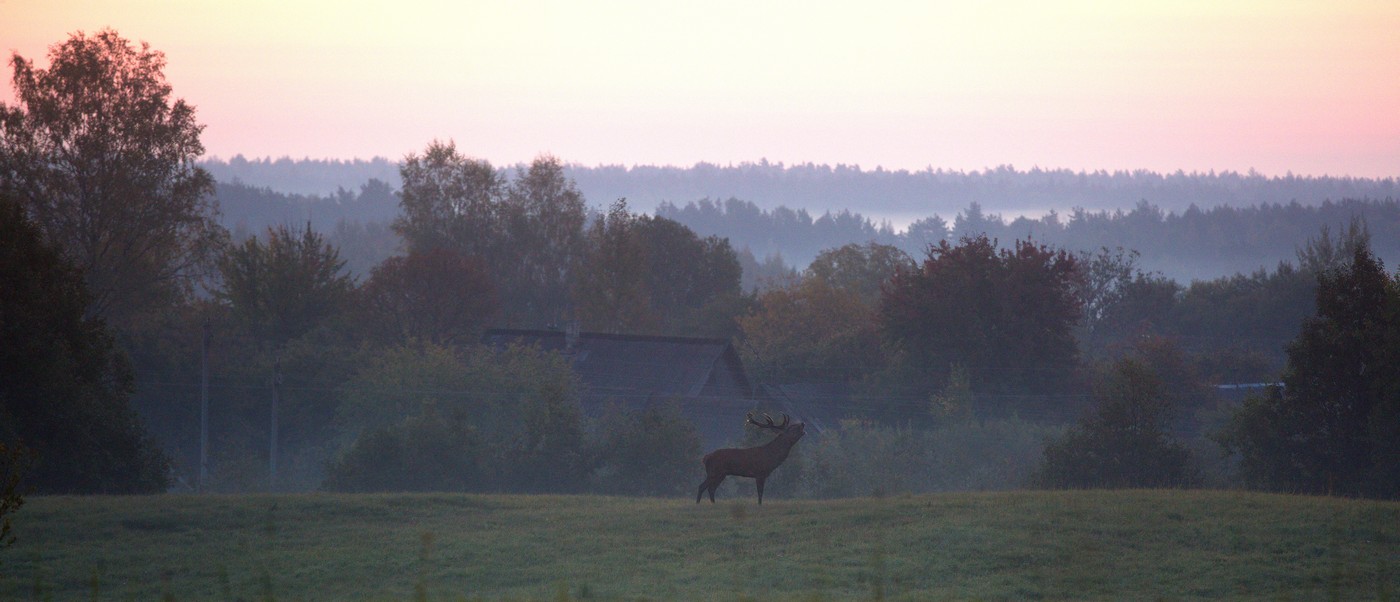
1124, 442
423, 453
867, 459
653, 451
494, 420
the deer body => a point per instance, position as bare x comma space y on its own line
752, 462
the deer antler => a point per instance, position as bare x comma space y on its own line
768, 422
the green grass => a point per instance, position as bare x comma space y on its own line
993, 546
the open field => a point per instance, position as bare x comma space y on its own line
992, 546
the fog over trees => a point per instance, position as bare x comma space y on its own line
343, 331
1185, 225
879, 192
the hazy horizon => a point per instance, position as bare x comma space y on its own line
1296, 87
768, 161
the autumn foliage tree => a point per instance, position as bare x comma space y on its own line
810, 331
1006, 315
822, 327
861, 269
438, 296
528, 230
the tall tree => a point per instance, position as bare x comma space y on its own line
64, 386
860, 269
545, 219
1332, 426
104, 162
450, 201
436, 295
1005, 315
529, 230
285, 287
611, 289
693, 281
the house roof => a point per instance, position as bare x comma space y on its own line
637, 368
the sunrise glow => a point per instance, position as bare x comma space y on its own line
1307, 87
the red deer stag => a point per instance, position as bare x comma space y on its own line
753, 462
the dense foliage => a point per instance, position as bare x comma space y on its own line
1006, 315
352, 359
651, 451
64, 384
14, 460
1333, 425
529, 229
284, 286
439, 296
104, 162
1125, 441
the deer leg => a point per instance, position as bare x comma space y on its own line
715, 485
709, 483
759, 481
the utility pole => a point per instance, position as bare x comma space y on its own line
276, 400
203, 407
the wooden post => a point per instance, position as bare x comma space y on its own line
203, 408
276, 400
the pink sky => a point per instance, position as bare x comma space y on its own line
1278, 86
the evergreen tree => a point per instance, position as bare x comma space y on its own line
1331, 428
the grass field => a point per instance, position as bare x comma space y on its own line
993, 546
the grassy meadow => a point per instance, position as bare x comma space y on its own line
974, 546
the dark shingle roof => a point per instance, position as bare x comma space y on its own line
635, 369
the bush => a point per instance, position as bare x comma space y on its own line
497, 421
423, 453
14, 459
866, 459
653, 451
1124, 443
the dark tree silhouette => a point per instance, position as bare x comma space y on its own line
1006, 315
436, 295
1332, 427
64, 386
285, 286
104, 162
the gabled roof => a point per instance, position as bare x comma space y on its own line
638, 368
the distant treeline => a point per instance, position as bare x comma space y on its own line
303, 176
1184, 245
901, 195
898, 195
1186, 225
